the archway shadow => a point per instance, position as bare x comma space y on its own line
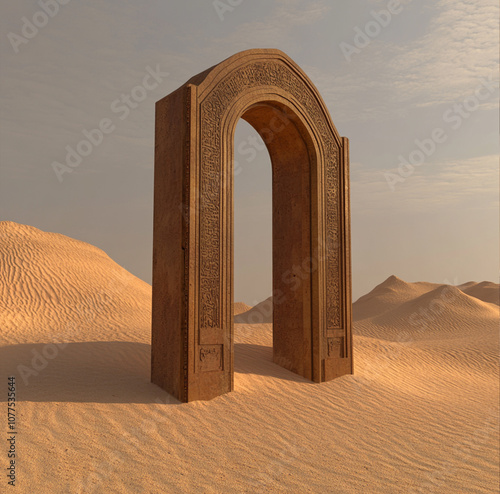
94, 372
258, 359
107, 371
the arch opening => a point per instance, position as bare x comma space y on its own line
252, 217
293, 160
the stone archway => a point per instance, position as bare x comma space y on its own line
192, 320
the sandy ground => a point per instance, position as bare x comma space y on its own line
420, 414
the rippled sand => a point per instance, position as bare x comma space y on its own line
420, 414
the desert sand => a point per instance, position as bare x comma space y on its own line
420, 414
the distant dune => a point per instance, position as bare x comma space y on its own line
419, 415
240, 307
260, 313
396, 303
397, 309
388, 295
485, 291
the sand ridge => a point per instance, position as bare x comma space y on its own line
260, 313
240, 308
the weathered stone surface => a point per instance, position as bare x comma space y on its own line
192, 328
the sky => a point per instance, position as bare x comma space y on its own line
412, 84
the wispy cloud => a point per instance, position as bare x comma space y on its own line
471, 183
273, 30
461, 46
439, 67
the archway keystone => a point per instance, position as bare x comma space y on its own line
192, 320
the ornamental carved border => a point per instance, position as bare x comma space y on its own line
259, 74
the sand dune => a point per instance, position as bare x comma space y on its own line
485, 291
260, 313
240, 307
434, 311
466, 285
419, 415
388, 295
54, 286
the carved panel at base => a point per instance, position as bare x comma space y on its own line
211, 358
336, 347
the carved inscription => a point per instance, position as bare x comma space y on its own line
336, 347
213, 108
333, 306
211, 358
210, 227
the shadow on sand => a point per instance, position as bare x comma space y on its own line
107, 371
